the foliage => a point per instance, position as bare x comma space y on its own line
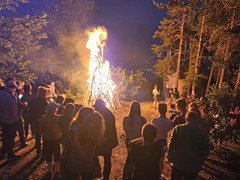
64, 53
216, 113
162, 66
128, 82
11, 4
18, 38
209, 35
221, 99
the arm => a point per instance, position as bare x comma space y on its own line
41, 126
172, 146
14, 109
124, 124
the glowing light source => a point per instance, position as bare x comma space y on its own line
100, 82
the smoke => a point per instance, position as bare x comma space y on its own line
63, 55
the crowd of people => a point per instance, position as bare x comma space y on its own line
168, 94
186, 143
85, 133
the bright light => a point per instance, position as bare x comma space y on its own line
100, 84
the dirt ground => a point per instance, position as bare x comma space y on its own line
30, 166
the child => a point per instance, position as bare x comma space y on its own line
143, 157
49, 126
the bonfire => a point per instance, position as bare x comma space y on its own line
100, 84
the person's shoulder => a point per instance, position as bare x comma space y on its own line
138, 141
108, 114
43, 117
144, 119
57, 115
177, 116
126, 119
180, 127
169, 121
155, 120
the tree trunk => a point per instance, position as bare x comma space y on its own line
180, 49
197, 63
237, 82
218, 77
209, 79
190, 66
226, 53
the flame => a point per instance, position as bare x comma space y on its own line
100, 82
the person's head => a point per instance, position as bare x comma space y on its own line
91, 125
193, 107
52, 108
27, 88
20, 84
162, 108
135, 109
60, 99
95, 127
155, 86
192, 117
10, 79
69, 100
69, 109
99, 104
84, 113
11, 86
41, 91
181, 104
149, 132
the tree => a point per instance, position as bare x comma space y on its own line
18, 38
223, 40
128, 83
193, 37
178, 12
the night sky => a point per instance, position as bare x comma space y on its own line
130, 23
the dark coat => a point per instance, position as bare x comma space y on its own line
110, 139
37, 107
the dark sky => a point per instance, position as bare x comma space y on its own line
130, 23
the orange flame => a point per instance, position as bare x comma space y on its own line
100, 82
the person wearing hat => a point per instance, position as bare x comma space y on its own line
8, 119
49, 127
110, 140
